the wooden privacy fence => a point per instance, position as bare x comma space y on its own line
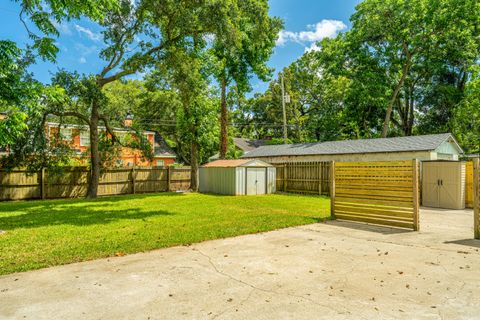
304, 177
72, 182
384, 193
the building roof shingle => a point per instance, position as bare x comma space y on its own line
380, 145
248, 145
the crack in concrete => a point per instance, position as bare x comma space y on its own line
235, 306
266, 290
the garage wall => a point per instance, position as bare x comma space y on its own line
361, 157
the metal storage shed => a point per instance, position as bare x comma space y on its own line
237, 177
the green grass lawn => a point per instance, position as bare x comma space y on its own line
46, 233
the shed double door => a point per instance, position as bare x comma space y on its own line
256, 181
443, 185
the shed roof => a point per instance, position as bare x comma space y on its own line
236, 163
380, 145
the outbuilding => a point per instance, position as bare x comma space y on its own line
237, 177
427, 147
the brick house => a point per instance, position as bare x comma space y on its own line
78, 136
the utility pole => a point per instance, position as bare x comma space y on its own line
285, 132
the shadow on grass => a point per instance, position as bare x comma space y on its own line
466, 242
368, 227
78, 212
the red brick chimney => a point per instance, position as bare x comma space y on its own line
128, 122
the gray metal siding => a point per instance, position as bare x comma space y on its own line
217, 180
232, 180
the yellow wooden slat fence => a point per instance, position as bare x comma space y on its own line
476, 198
469, 184
72, 182
384, 193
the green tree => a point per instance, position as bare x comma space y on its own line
466, 120
242, 50
44, 14
409, 37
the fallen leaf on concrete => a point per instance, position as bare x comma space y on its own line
120, 254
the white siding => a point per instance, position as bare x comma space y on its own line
240, 181
384, 156
271, 180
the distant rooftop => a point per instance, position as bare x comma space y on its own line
248, 145
380, 145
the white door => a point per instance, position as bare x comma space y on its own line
255, 181
261, 180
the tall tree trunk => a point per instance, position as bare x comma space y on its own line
223, 120
94, 153
394, 96
194, 166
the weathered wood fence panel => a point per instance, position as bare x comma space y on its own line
384, 193
73, 182
304, 177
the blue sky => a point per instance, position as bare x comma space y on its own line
306, 21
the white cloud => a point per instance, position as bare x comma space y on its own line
63, 28
89, 33
313, 47
313, 34
82, 60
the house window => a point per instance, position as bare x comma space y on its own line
160, 163
66, 134
84, 138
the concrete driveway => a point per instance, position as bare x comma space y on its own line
336, 270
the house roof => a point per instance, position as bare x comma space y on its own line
161, 148
85, 127
380, 145
248, 145
236, 163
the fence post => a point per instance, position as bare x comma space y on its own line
285, 176
43, 192
476, 198
168, 179
133, 180
332, 189
319, 172
416, 195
